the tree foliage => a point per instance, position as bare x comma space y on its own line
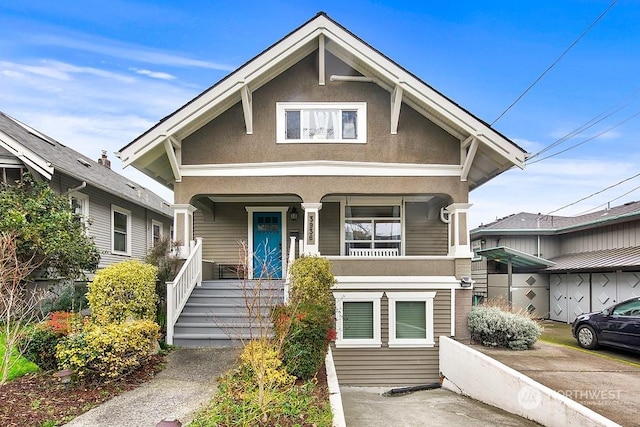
46, 229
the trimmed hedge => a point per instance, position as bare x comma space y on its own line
493, 327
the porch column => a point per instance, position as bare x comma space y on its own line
183, 227
459, 244
311, 228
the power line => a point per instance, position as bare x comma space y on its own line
596, 193
584, 33
612, 200
588, 139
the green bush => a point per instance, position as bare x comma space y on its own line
39, 347
107, 351
72, 297
493, 327
124, 291
305, 345
311, 282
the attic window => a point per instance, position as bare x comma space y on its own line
321, 122
83, 162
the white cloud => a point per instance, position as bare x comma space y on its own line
154, 74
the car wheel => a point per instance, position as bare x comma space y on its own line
587, 337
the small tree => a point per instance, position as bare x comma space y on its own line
46, 231
18, 306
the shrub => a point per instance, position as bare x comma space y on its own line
305, 343
494, 327
311, 282
107, 351
261, 358
124, 291
39, 344
72, 297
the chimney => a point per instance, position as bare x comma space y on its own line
104, 161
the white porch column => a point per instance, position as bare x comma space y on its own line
311, 228
183, 227
459, 244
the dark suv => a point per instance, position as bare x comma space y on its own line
617, 326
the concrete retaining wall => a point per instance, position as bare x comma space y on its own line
471, 373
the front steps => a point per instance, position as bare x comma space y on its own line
226, 313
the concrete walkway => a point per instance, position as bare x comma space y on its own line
187, 384
367, 407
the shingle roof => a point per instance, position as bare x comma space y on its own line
528, 222
619, 259
77, 165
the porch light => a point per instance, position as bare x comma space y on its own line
293, 214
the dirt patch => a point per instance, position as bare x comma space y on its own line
41, 399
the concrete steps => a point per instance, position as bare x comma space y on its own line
217, 313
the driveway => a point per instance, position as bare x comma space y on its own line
605, 381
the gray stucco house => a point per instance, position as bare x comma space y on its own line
322, 145
123, 217
561, 266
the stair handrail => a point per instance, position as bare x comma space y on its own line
179, 290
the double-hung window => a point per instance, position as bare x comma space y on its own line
80, 206
411, 319
120, 231
358, 319
321, 122
156, 231
372, 227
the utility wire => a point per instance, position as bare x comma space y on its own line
588, 139
612, 200
584, 33
596, 193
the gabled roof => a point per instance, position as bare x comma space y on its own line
528, 223
44, 155
490, 152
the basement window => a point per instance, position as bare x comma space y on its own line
358, 319
411, 319
321, 122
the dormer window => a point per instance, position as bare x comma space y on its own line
321, 122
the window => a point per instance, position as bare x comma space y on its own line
411, 319
629, 308
476, 245
321, 122
156, 231
80, 206
373, 227
358, 319
120, 231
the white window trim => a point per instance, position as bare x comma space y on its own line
160, 225
427, 298
281, 126
374, 297
85, 205
126, 212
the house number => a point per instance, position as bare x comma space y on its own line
311, 237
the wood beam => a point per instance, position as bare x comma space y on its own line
396, 102
173, 161
321, 61
247, 108
468, 161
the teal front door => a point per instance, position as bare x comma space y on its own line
267, 245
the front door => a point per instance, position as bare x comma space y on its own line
267, 245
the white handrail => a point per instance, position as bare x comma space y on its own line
291, 259
179, 290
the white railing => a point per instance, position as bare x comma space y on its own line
179, 290
291, 258
380, 252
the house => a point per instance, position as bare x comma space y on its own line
561, 266
321, 145
124, 218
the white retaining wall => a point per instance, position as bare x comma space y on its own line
468, 372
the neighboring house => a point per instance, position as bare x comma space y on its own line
561, 267
321, 145
123, 218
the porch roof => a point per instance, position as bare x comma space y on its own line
504, 254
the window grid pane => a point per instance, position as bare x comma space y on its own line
411, 320
292, 119
357, 320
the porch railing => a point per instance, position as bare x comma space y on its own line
180, 289
377, 252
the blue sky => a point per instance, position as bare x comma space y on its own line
96, 74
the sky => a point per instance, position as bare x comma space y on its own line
94, 75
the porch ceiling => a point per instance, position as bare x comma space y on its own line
504, 254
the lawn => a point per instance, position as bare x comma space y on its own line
19, 365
